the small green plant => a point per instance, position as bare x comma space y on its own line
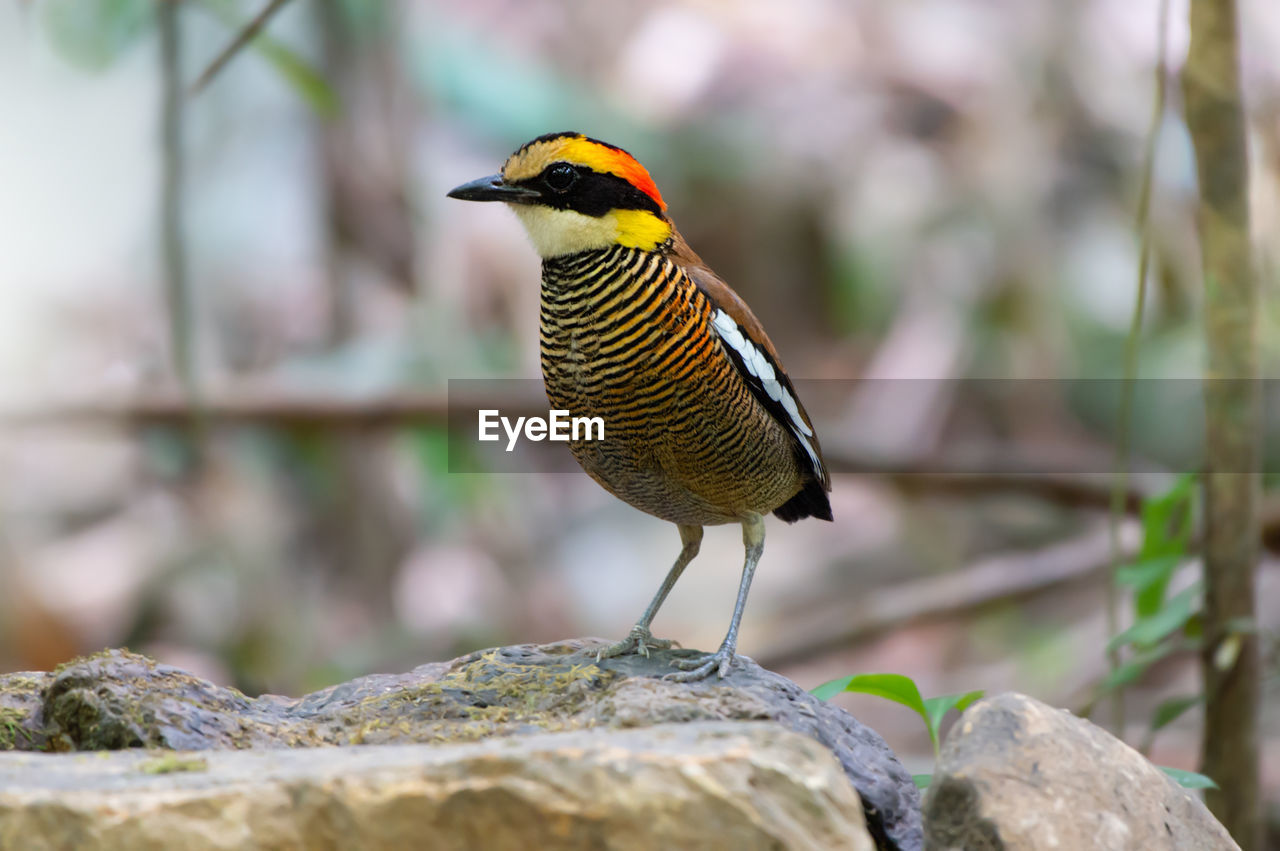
902, 689
1162, 624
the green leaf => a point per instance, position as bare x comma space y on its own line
1166, 533
830, 689
1167, 519
94, 33
1149, 600
1169, 710
1143, 574
893, 687
922, 781
1169, 619
1135, 667
305, 80
936, 708
1189, 779
1149, 578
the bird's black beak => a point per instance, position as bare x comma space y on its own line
492, 188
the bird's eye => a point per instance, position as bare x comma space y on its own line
560, 177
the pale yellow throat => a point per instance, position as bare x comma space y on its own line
558, 232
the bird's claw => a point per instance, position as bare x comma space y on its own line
701, 667
639, 641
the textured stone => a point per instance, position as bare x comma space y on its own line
1017, 774
117, 699
702, 785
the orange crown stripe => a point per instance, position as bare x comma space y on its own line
602, 158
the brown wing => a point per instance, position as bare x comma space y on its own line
757, 361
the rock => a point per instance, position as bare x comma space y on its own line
21, 716
117, 699
700, 785
1017, 774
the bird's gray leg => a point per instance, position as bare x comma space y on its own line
722, 660
640, 639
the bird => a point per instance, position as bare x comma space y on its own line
703, 426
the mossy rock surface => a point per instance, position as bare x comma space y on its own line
117, 699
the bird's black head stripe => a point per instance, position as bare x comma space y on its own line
594, 194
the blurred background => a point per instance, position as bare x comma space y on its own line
917, 189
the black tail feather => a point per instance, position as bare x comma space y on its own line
811, 501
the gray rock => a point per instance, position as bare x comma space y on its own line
701, 785
1017, 774
116, 699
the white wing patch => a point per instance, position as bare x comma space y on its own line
757, 363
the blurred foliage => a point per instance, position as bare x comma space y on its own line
94, 33
1161, 625
304, 79
940, 190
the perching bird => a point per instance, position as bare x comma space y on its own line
702, 425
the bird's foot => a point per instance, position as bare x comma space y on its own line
701, 667
639, 641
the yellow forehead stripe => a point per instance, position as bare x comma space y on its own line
580, 150
529, 162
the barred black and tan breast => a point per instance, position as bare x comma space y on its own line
627, 336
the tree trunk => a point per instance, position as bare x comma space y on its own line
1230, 665
363, 171
172, 237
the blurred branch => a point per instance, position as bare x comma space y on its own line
338, 144
358, 190
173, 244
272, 408
237, 44
1230, 662
1143, 226
364, 164
980, 471
992, 470
839, 624
172, 200
1066, 489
